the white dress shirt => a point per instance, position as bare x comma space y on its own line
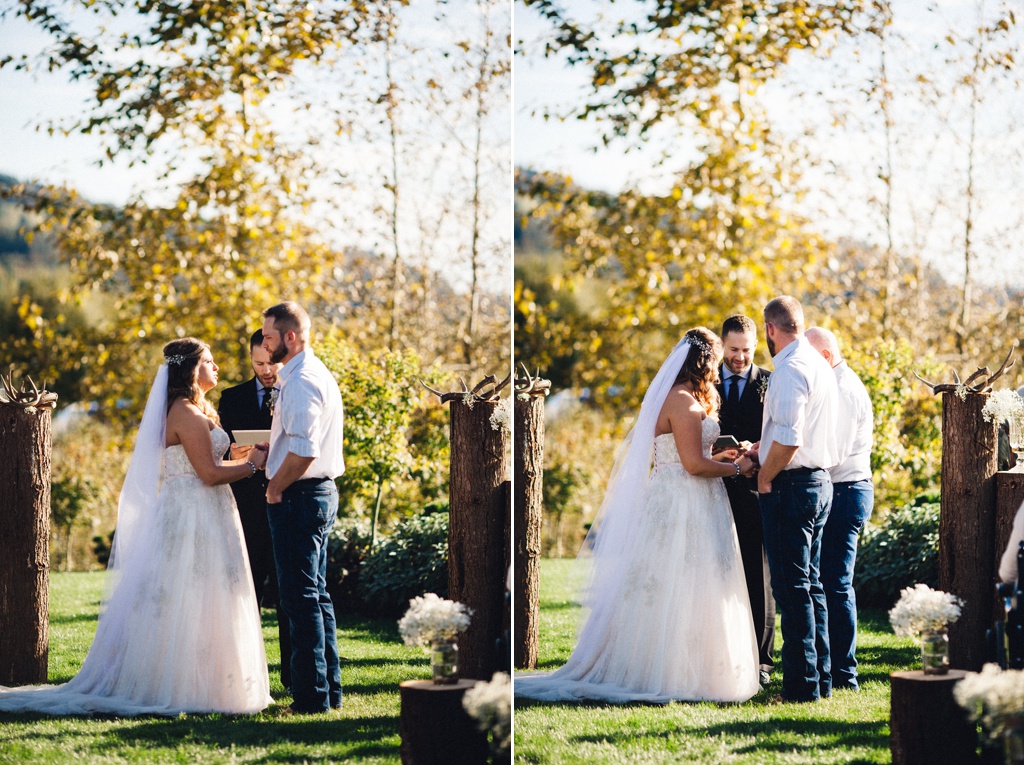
801, 407
856, 427
308, 418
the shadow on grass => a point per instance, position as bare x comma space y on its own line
73, 619
282, 739
780, 735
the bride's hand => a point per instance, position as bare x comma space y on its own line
239, 452
726, 455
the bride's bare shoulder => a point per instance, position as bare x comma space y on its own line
183, 417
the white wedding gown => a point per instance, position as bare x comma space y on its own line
184, 634
681, 628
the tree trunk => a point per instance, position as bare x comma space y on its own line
25, 531
529, 484
476, 534
926, 724
967, 519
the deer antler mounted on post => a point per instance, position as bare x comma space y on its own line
25, 399
531, 386
967, 516
479, 517
25, 470
970, 385
478, 392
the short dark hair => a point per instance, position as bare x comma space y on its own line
739, 323
255, 339
289, 317
786, 313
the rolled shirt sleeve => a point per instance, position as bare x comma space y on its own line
301, 419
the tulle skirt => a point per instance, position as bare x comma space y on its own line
681, 628
180, 630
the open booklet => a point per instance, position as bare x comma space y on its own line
250, 437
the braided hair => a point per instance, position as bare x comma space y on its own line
700, 369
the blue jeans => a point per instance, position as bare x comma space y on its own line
299, 526
794, 515
851, 507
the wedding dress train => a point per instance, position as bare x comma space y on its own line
180, 630
679, 627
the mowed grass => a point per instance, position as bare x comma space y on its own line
365, 731
850, 727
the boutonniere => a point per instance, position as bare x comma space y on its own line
762, 387
273, 399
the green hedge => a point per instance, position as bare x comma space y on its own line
899, 552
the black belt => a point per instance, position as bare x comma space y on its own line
307, 483
800, 471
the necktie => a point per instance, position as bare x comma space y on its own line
734, 390
268, 399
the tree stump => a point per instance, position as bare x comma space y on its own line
25, 531
435, 728
528, 468
926, 724
967, 565
477, 568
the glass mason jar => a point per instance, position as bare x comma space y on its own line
444, 661
935, 652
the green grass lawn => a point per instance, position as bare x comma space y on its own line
850, 727
366, 731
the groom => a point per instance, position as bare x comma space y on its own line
739, 386
302, 503
797, 448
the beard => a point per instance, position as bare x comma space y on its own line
277, 355
771, 345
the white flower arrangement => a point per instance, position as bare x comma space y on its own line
1003, 405
920, 609
501, 417
490, 704
994, 696
431, 618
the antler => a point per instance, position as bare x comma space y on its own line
26, 399
534, 385
969, 385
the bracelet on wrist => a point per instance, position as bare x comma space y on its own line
252, 467
737, 466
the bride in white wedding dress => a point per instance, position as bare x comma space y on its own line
668, 614
179, 629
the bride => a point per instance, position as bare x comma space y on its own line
179, 629
669, 617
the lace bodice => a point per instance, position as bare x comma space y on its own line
666, 454
176, 462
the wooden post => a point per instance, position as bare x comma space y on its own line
926, 724
967, 566
967, 518
478, 535
435, 728
529, 487
25, 531
476, 532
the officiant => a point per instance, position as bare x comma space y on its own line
250, 406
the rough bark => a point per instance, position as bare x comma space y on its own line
435, 728
477, 536
926, 724
25, 531
967, 565
529, 485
